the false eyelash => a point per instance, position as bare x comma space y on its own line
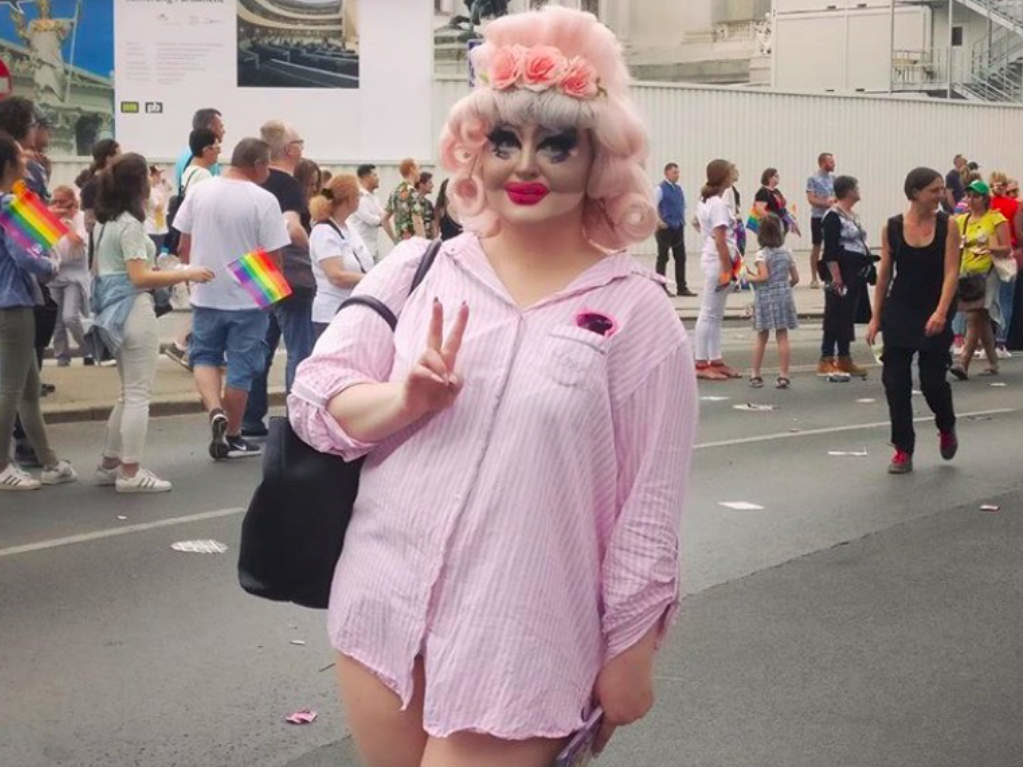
502, 136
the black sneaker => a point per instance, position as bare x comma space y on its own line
239, 447
88, 361
218, 431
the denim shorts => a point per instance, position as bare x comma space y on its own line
232, 334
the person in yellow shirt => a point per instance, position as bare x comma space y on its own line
984, 234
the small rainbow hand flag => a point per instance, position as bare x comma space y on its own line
29, 222
754, 219
260, 277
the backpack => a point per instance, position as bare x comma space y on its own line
173, 236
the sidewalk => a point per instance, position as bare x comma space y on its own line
88, 394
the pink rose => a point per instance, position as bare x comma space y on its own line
506, 67
580, 79
543, 67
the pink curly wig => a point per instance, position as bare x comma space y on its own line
617, 209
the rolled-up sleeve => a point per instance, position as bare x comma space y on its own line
357, 348
655, 427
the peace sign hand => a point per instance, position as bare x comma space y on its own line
432, 384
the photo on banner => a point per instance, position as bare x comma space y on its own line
298, 44
60, 54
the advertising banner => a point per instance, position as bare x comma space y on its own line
352, 76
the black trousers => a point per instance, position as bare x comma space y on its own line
932, 366
672, 239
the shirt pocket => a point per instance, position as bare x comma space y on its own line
576, 357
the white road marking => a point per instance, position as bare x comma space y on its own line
84, 537
96, 535
830, 430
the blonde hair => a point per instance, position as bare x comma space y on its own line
275, 133
63, 191
343, 188
997, 177
617, 210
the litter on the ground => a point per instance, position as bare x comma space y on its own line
998, 384
739, 505
989, 507
122, 517
302, 717
714, 398
863, 452
754, 407
297, 642
865, 399
201, 546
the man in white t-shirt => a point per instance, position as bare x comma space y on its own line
369, 217
220, 220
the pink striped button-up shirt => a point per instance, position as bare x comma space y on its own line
529, 533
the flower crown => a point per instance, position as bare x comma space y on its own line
540, 68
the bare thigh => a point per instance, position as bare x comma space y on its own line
466, 748
383, 732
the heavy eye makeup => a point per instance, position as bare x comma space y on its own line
557, 146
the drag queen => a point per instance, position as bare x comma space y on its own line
513, 555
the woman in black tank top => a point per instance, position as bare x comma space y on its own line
913, 313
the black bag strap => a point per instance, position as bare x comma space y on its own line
382, 309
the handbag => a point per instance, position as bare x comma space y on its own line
1006, 268
294, 527
970, 287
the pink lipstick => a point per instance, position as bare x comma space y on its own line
527, 193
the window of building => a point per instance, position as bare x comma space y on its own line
958, 36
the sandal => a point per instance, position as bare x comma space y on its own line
756, 382
782, 382
959, 373
708, 373
729, 373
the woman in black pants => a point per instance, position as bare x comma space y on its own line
844, 259
914, 315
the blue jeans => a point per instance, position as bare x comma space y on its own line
232, 337
1005, 299
292, 319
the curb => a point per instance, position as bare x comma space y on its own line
173, 406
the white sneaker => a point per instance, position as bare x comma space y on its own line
957, 351
106, 476
1003, 353
143, 481
63, 472
14, 478
979, 353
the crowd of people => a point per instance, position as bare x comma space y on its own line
331, 239
547, 176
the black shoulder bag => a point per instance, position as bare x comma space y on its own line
295, 525
970, 287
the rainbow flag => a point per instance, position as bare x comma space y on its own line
260, 277
754, 219
29, 222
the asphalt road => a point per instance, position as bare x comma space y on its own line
855, 618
